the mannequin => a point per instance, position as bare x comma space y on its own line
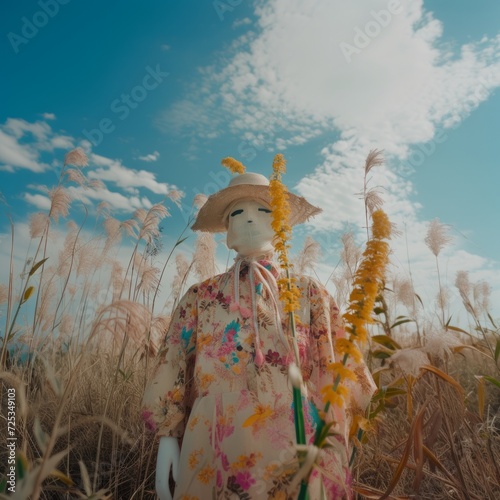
222, 383
168, 459
249, 233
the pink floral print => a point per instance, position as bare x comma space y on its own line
235, 418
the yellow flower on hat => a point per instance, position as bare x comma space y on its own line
233, 165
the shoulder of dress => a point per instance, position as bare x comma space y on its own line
305, 282
214, 282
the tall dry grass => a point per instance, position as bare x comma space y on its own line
83, 321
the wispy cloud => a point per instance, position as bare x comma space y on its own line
49, 116
23, 142
114, 199
241, 22
40, 201
116, 177
14, 155
289, 80
110, 170
150, 157
195, 116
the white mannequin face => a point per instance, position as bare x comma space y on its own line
249, 231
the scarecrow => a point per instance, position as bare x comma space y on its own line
222, 388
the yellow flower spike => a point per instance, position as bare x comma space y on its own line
335, 397
279, 164
289, 294
367, 282
233, 165
359, 422
342, 371
381, 229
343, 345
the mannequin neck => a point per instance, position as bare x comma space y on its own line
257, 255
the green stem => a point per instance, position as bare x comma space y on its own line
354, 449
299, 416
298, 410
303, 491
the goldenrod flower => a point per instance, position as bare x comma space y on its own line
289, 293
381, 228
342, 371
368, 279
335, 396
233, 165
279, 164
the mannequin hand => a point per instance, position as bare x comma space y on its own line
168, 458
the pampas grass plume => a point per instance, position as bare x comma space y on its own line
309, 255
375, 158
38, 224
76, 157
204, 256
60, 201
410, 360
437, 237
200, 200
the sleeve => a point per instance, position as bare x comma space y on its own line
167, 397
327, 326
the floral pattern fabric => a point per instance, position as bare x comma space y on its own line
235, 416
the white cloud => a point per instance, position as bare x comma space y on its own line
101, 160
150, 157
293, 74
49, 116
18, 128
241, 22
189, 117
14, 155
22, 142
290, 80
110, 170
62, 142
115, 200
38, 200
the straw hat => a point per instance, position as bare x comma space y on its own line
212, 216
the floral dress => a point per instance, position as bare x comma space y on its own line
222, 387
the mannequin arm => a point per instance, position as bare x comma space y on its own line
168, 458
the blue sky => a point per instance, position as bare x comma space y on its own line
322, 82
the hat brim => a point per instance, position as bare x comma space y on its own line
212, 215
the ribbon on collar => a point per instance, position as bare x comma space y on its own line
257, 270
